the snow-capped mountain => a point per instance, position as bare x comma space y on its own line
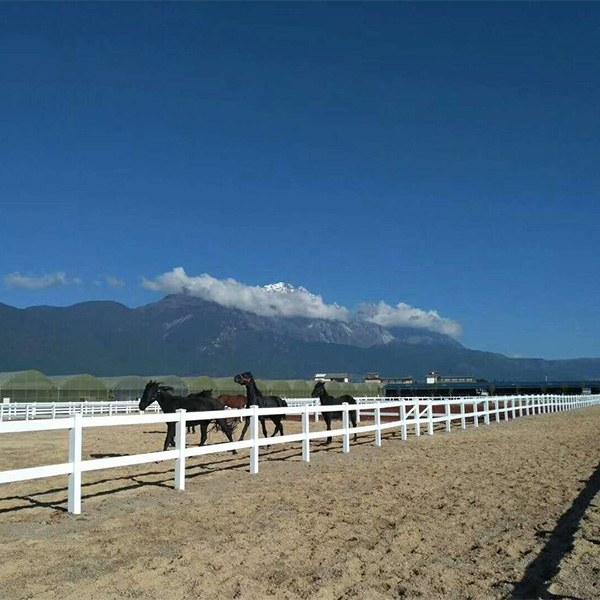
186, 335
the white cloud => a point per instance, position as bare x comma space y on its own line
115, 282
28, 282
283, 300
404, 315
256, 299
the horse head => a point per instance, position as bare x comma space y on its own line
244, 378
318, 389
151, 391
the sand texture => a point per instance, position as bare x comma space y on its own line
505, 510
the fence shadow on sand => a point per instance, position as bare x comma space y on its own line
538, 576
193, 471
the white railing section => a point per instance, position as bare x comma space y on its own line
28, 411
415, 413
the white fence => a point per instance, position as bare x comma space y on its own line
409, 412
29, 411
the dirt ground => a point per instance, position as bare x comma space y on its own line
510, 510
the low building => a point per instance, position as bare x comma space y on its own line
402, 379
339, 377
434, 377
491, 388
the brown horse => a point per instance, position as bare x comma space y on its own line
233, 402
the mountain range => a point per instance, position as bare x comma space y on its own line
187, 335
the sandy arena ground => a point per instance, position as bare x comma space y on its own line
505, 511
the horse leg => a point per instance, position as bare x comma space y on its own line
263, 422
203, 432
246, 425
353, 419
170, 439
328, 422
227, 431
264, 427
278, 425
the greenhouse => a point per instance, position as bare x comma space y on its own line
300, 388
179, 386
127, 387
199, 384
80, 388
226, 385
278, 387
27, 386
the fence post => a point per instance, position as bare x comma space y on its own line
305, 432
357, 412
430, 418
475, 414
54, 410
486, 407
378, 425
403, 427
180, 430
75, 448
448, 416
346, 427
463, 421
254, 437
417, 417
317, 402
496, 409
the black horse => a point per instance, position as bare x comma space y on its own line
321, 393
202, 394
168, 403
255, 398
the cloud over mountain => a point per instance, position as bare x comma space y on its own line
28, 282
404, 315
284, 300
267, 302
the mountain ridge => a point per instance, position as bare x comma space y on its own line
187, 335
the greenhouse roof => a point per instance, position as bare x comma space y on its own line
26, 379
78, 382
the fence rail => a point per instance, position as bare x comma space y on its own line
29, 411
414, 413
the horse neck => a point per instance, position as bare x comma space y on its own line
252, 393
165, 402
324, 396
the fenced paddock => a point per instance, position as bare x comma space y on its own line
471, 513
411, 413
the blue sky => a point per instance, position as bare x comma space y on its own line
443, 155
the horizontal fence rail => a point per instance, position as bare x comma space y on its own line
418, 414
28, 411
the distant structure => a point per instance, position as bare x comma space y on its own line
339, 377
434, 377
401, 379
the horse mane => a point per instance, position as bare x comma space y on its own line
165, 388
